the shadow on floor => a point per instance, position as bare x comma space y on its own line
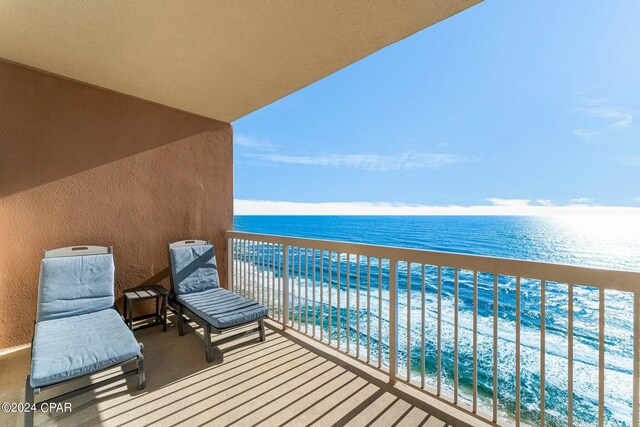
284, 381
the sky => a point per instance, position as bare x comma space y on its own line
523, 107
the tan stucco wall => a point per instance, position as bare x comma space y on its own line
81, 165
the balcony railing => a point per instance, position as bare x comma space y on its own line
470, 330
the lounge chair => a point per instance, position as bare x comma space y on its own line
196, 293
78, 332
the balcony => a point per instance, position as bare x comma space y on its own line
347, 344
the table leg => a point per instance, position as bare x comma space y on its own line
164, 313
131, 315
124, 308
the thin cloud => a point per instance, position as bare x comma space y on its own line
270, 207
368, 162
580, 201
252, 143
263, 152
544, 202
615, 118
496, 201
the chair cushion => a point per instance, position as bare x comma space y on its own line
222, 308
74, 346
193, 269
75, 285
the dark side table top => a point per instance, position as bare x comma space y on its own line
145, 292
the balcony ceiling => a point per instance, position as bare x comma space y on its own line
220, 59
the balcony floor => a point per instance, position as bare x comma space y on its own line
288, 380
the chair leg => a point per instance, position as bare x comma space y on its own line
207, 343
263, 338
140, 364
180, 321
28, 399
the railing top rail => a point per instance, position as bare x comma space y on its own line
628, 281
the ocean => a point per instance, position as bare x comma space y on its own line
596, 241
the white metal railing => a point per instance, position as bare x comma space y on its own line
408, 311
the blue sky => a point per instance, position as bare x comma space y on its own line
508, 104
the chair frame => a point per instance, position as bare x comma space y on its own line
31, 392
183, 312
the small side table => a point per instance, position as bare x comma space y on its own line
144, 293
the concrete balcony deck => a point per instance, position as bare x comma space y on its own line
288, 380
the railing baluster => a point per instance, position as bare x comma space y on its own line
267, 273
298, 278
250, 268
379, 312
329, 296
636, 358
274, 276
280, 281
393, 320
439, 336
570, 355
239, 268
253, 271
321, 292
271, 274
517, 351
235, 265
230, 256
265, 292
339, 290
285, 285
475, 343
368, 309
456, 297
495, 347
245, 261
347, 326
543, 315
422, 327
601, 362
272, 269
306, 290
357, 306
313, 292
408, 322
257, 271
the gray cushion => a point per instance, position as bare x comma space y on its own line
193, 269
222, 308
75, 285
74, 346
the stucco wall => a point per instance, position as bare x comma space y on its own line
81, 165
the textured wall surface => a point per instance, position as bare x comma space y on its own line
81, 165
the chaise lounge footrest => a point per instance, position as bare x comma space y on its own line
71, 347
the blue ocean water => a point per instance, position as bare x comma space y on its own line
596, 241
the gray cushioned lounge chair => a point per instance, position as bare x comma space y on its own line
78, 332
196, 293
